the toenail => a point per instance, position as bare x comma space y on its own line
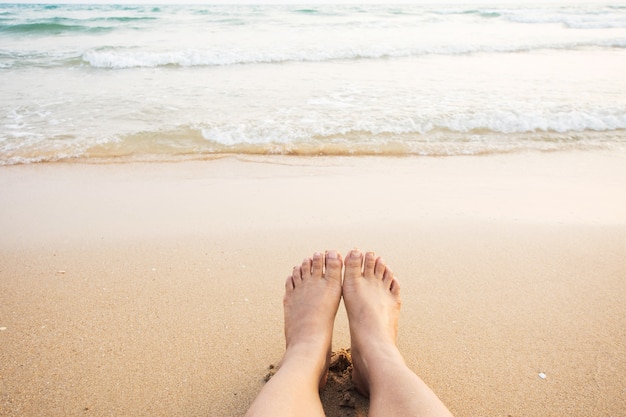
355, 254
332, 254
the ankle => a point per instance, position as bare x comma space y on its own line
374, 352
307, 354
382, 342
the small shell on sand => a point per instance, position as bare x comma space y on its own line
542, 375
2, 329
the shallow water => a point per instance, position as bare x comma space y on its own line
105, 83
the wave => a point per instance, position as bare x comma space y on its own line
572, 21
59, 25
188, 143
121, 58
477, 12
307, 11
546, 124
38, 59
123, 19
575, 17
462, 134
607, 17
49, 28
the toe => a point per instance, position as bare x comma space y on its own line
369, 265
354, 261
395, 289
380, 268
304, 271
333, 266
289, 283
389, 279
317, 268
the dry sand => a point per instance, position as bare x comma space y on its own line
155, 289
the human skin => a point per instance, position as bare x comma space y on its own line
372, 299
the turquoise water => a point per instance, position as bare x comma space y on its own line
108, 83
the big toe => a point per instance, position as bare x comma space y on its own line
354, 263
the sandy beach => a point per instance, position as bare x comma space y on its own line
147, 289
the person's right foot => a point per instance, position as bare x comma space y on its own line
312, 295
372, 298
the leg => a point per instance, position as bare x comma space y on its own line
372, 298
312, 295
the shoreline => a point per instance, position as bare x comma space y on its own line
187, 198
156, 289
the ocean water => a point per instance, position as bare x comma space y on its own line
117, 83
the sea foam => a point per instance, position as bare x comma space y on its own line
139, 82
121, 58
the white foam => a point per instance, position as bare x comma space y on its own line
460, 81
546, 121
126, 58
498, 122
575, 19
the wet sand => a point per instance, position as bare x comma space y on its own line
156, 289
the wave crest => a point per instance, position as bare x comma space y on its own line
120, 58
49, 28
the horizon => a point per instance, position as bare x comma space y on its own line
319, 2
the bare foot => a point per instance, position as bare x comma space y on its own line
372, 298
312, 295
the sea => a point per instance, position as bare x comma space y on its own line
121, 83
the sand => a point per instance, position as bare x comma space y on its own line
156, 289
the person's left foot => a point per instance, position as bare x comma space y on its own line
372, 298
